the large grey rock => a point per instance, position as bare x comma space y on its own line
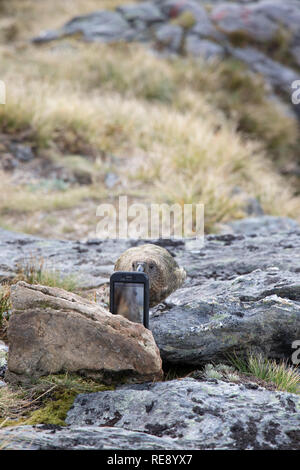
53, 331
242, 293
257, 312
197, 415
49, 437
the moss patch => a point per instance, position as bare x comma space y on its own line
55, 411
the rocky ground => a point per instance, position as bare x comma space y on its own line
242, 293
182, 414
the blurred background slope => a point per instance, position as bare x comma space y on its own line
180, 101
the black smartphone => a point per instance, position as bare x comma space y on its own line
129, 296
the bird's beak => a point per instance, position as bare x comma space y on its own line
141, 267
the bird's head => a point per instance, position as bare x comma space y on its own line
148, 266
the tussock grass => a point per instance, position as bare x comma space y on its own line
132, 71
186, 131
285, 377
197, 157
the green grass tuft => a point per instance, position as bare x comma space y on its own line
286, 378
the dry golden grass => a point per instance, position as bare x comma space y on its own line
183, 130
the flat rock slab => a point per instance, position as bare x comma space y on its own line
197, 415
53, 331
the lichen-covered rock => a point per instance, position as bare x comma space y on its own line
259, 242
259, 311
197, 415
52, 331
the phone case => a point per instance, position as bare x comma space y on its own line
131, 277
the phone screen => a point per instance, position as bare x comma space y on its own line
129, 300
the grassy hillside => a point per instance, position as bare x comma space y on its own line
171, 130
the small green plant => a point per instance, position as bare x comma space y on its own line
220, 372
285, 377
33, 271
